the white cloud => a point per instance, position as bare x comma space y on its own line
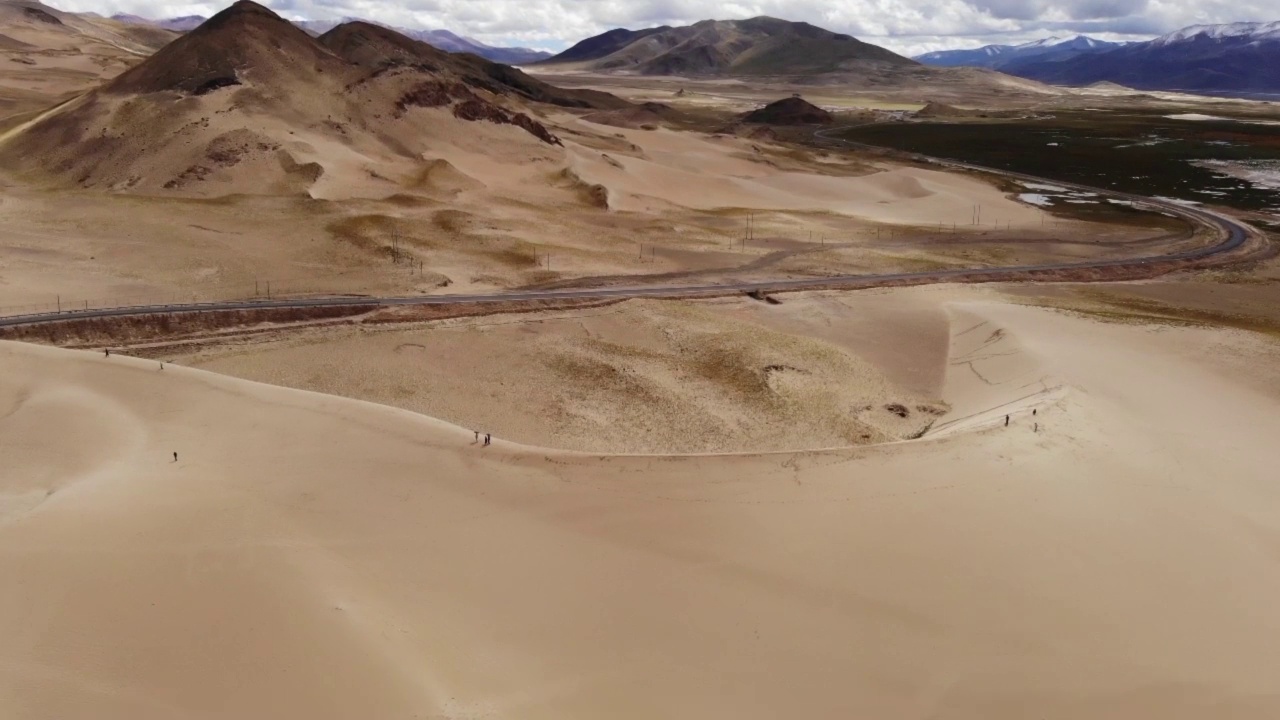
907, 26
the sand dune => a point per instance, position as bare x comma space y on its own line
990, 376
730, 173
310, 556
638, 376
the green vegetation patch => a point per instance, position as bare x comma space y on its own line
1143, 154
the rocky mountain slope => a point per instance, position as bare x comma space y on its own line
250, 103
758, 46
442, 39
47, 55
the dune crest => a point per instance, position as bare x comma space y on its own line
328, 558
991, 375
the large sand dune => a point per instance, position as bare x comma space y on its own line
311, 556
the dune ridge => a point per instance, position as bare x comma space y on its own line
311, 556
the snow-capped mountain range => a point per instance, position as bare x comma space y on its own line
1235, 58
996, 56
1249, 31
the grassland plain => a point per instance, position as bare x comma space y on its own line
1145, 153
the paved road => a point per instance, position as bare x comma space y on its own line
1234, 232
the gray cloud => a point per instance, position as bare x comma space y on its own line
1011, 9
906, 26
1088, 9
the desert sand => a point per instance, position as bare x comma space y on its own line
225, 162
313, 556
963, 503
478, 218
634, 377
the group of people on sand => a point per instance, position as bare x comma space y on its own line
487, 438
1033, 414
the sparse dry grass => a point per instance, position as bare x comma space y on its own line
1113, 307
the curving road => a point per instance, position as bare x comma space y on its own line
1234, 234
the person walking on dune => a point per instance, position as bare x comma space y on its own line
487, 439
477, 436
175, 457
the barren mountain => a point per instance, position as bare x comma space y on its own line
603, 45
186, 23
247, 39
37, 25
442, 39
47, 55
375, 46
248, 102
758, 46
789, 111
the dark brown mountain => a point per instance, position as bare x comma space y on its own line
603, 45
376, 47
758, 46
247, 102
789, 111
245, 42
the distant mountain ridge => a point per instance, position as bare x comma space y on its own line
757, 46
1252, 31
441, 39
998, 57
1231, 58
1241, 58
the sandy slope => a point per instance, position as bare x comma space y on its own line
693, 171
310, 556
485, 205
47, 55
639, 376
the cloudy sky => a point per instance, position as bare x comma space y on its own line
906, 26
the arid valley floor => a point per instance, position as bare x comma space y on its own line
1054, 496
